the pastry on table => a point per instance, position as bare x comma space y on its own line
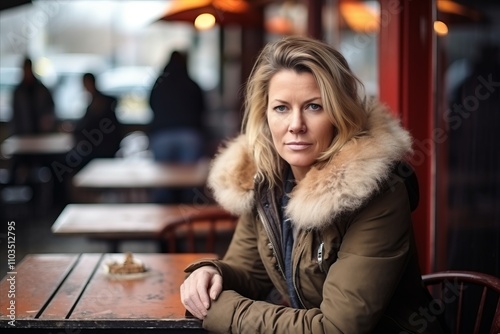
129, 266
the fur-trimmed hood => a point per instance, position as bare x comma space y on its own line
353, 175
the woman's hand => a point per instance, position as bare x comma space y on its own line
199, 289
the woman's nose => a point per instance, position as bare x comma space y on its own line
297, 124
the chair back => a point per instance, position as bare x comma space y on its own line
204, 232
467, 299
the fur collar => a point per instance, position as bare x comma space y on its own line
353, 175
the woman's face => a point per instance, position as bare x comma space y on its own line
299, 125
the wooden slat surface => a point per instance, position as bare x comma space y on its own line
69, 292
37, 278
72, 292
123, 221
155, 295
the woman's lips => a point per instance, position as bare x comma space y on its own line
298, 146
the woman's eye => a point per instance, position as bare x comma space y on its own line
313, 106
280, 108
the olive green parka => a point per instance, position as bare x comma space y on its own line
355, 265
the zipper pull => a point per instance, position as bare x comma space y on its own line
321, 249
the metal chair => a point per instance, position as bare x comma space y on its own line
205, 232
466, 298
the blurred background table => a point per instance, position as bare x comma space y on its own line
30, 178
132, 178
43, 144
73, 292
115, 223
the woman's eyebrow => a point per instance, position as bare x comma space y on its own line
306, 101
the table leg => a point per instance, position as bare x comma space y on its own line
114, 245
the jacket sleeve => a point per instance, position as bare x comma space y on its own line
241, 268
358, 286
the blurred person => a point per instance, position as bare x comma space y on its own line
98, 133
33, 113
324, 206
176, 132
33, 105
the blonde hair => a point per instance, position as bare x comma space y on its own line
340, 93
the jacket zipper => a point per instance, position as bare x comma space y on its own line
273, 238
320, 255
295, 272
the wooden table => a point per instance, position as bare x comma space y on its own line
31, 162
117, 222
43, 144
72, 293
138, 176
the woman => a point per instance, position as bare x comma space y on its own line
324, 220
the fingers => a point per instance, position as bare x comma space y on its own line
192, 302
216, 287
196, 289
